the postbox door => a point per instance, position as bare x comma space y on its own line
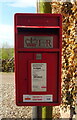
49, 71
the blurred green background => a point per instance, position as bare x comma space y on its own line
6, 58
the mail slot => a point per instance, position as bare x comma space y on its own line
38, 46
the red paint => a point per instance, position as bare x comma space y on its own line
38, 25
43, 87
27, 98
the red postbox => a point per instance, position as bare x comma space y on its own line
38, 45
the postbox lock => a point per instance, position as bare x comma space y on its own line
38, 56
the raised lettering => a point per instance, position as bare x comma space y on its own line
48, 43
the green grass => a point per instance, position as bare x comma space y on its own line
6, 53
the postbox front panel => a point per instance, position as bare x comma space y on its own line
29, 39
38, 60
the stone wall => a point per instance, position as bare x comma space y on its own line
69, 51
